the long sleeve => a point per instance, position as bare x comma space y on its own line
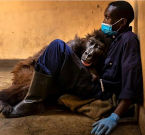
131, 71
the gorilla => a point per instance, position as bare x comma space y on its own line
91, 50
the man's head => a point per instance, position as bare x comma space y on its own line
119, 14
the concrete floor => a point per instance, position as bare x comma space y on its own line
5, 77
53, 122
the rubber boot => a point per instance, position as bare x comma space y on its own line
41, 86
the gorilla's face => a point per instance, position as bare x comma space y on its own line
94, 49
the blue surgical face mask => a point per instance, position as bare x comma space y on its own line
107, 28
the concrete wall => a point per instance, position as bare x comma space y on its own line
141, 30
26, 26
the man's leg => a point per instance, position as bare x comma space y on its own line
67, 69
52, 59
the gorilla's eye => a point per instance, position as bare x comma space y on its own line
86, 53
89, 55
91, 42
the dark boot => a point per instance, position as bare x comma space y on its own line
41, 86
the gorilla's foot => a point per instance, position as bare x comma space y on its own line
5, 107
24, 108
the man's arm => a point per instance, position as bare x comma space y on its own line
122, 106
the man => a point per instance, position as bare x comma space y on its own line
59, 70
123, 63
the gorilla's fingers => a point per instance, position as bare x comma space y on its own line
1, 107
7, 109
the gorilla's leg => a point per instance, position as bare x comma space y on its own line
11, 96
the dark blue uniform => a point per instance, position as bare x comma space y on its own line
122, 73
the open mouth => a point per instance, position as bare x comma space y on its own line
86, 63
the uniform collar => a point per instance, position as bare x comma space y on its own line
119, 34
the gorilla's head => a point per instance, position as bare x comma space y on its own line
92, 49
96, 48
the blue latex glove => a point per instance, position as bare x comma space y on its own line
105, 126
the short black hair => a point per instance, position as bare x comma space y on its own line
125, 10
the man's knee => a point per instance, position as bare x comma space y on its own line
60, 46
57, 42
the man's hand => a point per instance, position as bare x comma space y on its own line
105, 126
